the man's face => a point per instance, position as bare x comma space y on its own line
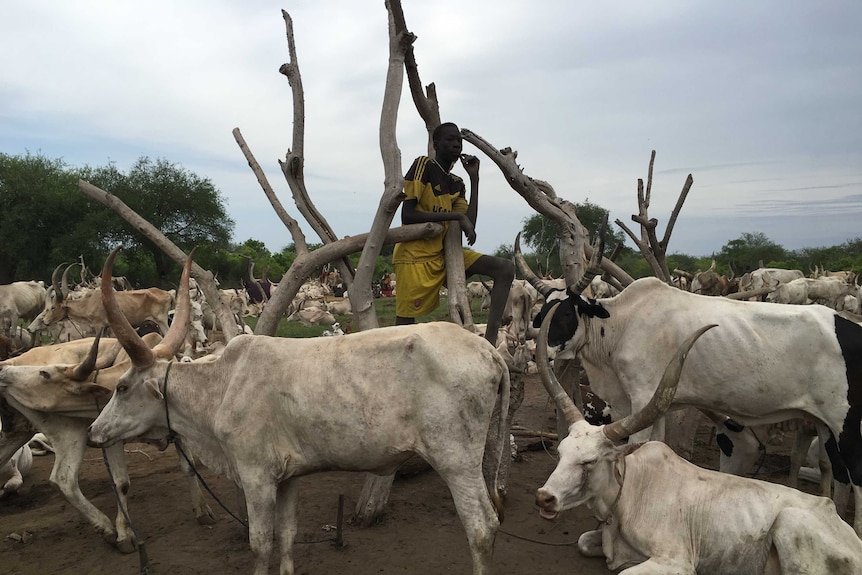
448, 144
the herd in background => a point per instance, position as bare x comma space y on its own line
72, 313
33, 314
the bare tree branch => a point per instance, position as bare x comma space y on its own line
676, 209
653, 250
289, 222
293, 165
205, 278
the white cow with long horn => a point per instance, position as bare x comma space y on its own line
661, 515
264, 413
768, 363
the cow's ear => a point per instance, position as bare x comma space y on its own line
153, 387
85, 388
591, 308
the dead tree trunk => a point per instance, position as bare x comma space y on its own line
375, 490
456, 282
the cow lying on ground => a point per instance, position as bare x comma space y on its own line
661, 514
264, 413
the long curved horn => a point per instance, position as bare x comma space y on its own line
537, 282
176, 335
552, 385
64, 282
594, 266
139, 353
55, 281
81, 371
661, 399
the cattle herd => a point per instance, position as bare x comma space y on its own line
259, 411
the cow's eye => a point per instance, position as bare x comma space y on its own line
122, 388
44, 374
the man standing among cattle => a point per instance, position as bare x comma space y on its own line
434, 194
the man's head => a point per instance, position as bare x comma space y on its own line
447, 142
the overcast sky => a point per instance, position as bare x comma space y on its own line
760, 101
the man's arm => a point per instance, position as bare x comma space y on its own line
410, 215
471, 166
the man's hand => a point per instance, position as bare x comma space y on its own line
467, 227
471, 165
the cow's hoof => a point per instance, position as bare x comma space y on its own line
126, 546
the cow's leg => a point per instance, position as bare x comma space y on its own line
801, 444
660, 567
590, 544
260, 497
824, 462
115, 456
203, 513
811, 541
286, 522
68, 454
476, 513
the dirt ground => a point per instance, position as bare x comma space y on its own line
420, 531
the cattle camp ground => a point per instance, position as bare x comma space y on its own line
420, 531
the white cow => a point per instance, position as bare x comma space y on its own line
264, 413
35, 396
20, 300
339, 307
793, 292
772, 277
144, 305
768, 363
660, 515
313, 315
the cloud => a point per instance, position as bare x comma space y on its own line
758, 101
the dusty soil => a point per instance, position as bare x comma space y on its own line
420, 532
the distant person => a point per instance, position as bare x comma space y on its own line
434, 194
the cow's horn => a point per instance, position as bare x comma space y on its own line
85, 368
661, 399
537, 282
176, 335
564, 403
55, 281
594, 267
139, 353
64, 281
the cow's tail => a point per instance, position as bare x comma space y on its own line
502, 436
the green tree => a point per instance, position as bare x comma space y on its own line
543, 235
185, 207
44, 217
746, 252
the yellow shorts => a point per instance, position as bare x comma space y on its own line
417, 290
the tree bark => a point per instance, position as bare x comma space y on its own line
456, 282
375, 491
